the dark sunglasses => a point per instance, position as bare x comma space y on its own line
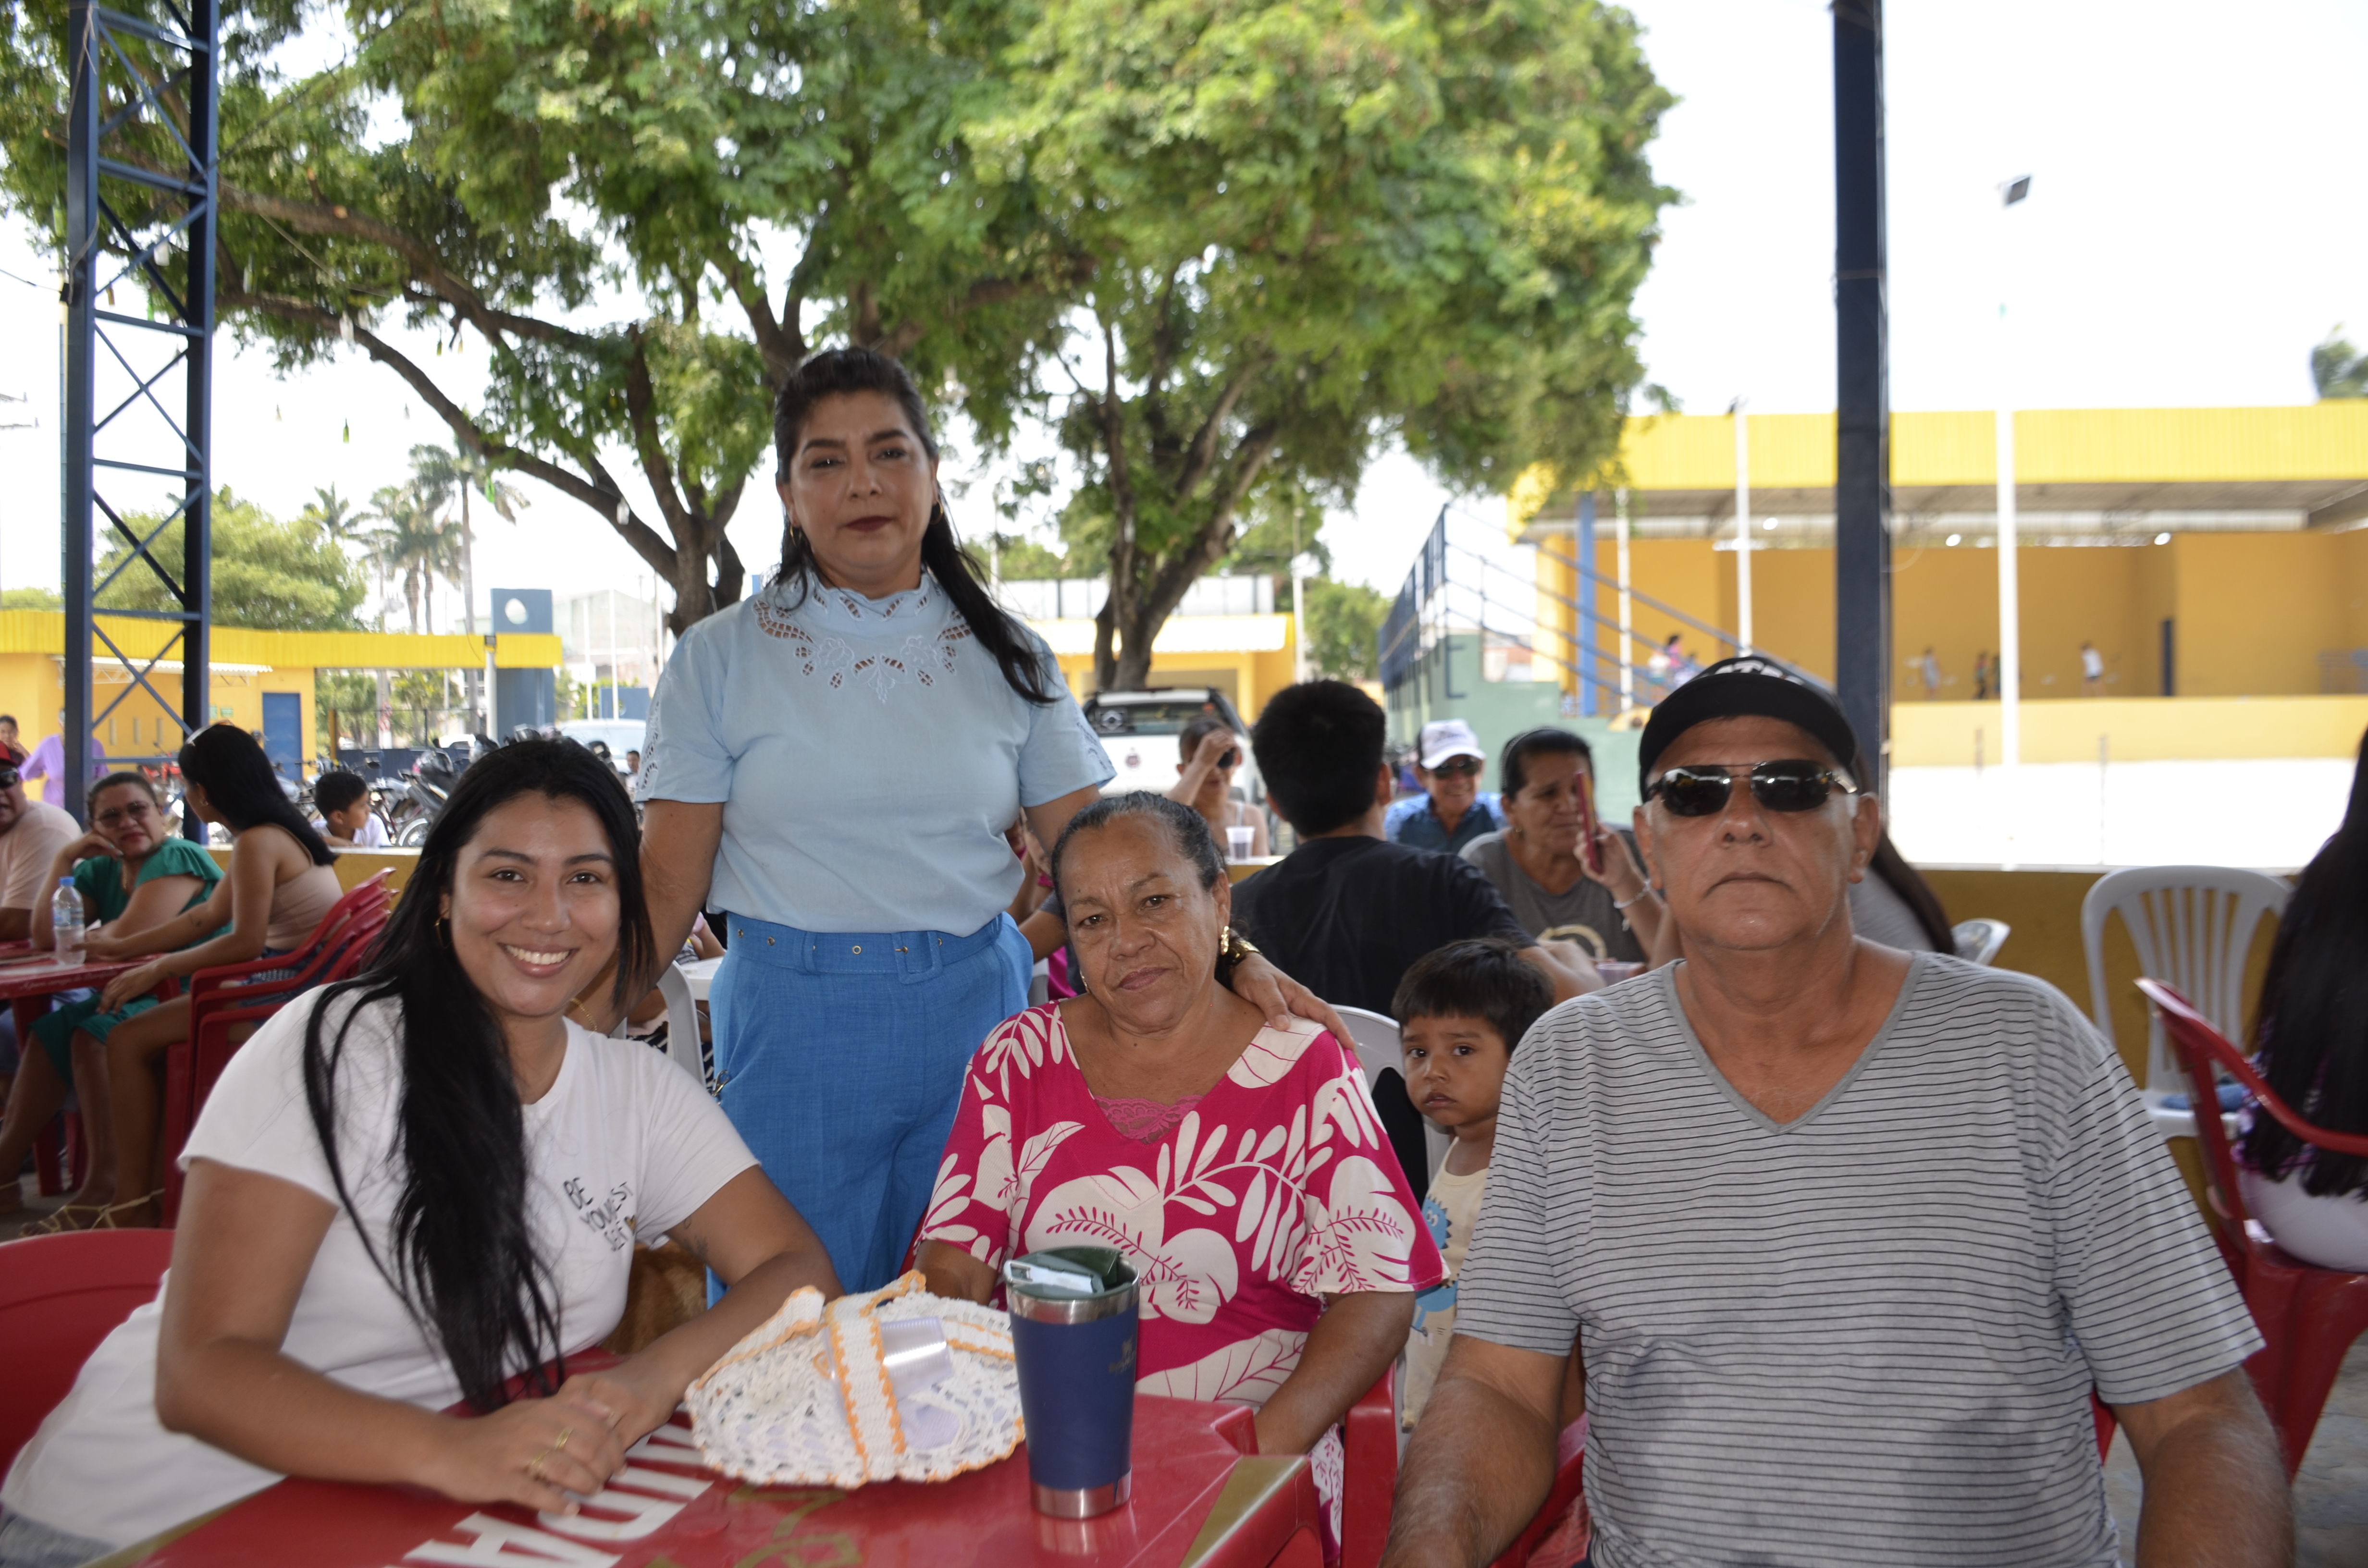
1457, 768
8, 776
1794, 785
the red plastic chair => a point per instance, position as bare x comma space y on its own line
2309, 1315
1370, 1474
220, 1004
59, 1297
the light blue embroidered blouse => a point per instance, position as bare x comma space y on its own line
869, 755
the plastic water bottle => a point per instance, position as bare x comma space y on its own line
66, 922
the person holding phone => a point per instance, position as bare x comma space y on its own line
1208, 750
1561, 870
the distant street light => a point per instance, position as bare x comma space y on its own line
2009, 668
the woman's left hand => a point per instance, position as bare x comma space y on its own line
636, 1394
1278, 997
1620, 872
130, 986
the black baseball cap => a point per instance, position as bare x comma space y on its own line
1745, 687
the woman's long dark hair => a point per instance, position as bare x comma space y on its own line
2312, 1030
464, 1259
834, 373
1915, 892
224, 761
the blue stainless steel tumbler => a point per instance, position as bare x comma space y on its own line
1073, 1326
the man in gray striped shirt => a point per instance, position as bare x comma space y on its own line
1845, 1236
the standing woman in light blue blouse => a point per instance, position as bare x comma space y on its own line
833, 763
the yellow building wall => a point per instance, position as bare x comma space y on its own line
2251, 612
2152, 728
32, 680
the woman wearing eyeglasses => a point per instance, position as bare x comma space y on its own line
133, 874
280, 885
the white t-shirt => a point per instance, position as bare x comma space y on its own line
623, 1142
26, 851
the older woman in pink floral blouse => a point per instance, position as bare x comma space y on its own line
1239, 1168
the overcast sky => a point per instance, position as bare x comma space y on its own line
2191, 235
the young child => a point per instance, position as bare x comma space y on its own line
347, 820
1460, 1011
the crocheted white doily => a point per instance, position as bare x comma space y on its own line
806, 1400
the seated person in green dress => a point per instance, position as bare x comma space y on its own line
134, 874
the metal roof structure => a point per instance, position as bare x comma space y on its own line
2095, 471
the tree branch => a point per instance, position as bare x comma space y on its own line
778, 337
641, 410
1201, 455
1215, 536
599, 492
315, 218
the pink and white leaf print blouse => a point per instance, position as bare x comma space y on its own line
1276, 1190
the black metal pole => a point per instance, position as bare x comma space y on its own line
83, 261
1863, 389
197, 526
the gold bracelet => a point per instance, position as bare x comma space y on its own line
1234, 947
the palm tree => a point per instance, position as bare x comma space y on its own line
335, 516
416, 544
463, 472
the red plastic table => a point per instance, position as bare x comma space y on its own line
27, 986
1200, 1502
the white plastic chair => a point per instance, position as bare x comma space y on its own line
1978, 941
1377, 1046
2194, 927
682, 1023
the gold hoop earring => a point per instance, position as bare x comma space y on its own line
444, 932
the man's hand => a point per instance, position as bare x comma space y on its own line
1482, 1458
2216, 1492
1278, 997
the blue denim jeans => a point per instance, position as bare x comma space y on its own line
839, 1057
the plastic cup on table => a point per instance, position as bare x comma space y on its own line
1073, 1335
1238, 842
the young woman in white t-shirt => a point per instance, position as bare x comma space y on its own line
412, 1186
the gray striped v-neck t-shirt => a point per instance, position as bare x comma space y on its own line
1866, 1335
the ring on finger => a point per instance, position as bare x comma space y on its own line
534, 1465
564, 1433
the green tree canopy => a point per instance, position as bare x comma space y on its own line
1228, 247
2337, 369
1318, 227
270, 575
1343, 621
645, 212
